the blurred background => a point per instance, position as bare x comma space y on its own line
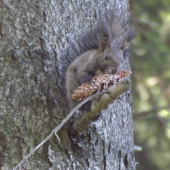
151, 83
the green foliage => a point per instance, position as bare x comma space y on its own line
151, 83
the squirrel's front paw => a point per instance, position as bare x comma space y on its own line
87, 106
86, 79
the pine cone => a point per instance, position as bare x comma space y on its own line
98, 84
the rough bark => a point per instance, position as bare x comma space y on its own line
33, 35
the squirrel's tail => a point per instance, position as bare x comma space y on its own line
80, 44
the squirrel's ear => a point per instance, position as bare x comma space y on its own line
103, 44
103, 29
103, 32
130, 34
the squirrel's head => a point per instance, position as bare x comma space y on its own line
109, 59
110, 55
114, 36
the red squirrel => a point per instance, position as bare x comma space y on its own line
105, 46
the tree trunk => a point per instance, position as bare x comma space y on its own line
33, 36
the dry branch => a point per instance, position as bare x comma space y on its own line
99, 104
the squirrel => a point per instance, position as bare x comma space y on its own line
103, 47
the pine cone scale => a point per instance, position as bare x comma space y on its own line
98, 83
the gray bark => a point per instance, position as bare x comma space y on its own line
33, 35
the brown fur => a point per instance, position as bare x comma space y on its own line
112, 38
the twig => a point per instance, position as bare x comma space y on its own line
163, 121
148, 112
81, 124
120, 87
54, 131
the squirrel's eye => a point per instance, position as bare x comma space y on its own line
106, 57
